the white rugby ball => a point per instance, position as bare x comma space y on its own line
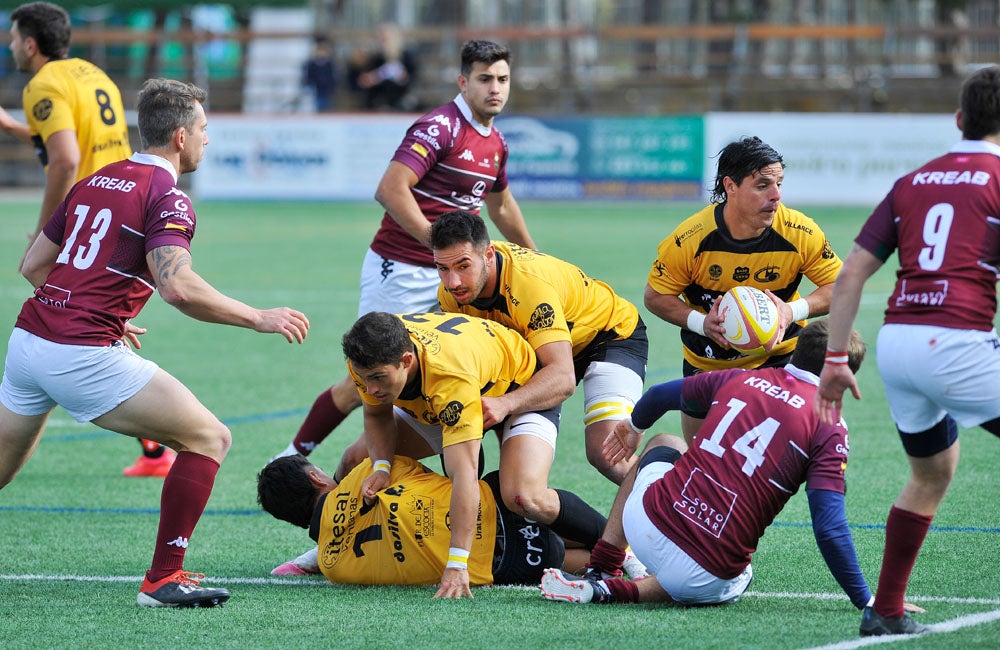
750, 318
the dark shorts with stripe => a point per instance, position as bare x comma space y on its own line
523, 548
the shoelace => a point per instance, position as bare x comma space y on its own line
189, 578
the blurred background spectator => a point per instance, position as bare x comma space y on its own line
383, 76
319, 74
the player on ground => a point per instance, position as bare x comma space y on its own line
401, 537
117, 236
695, 518
452, 157
76, 122
938, 352
745, 237
579, 328
423, 379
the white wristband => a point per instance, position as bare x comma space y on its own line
381, 466
458, 558
696, 322
632, 426
800, 309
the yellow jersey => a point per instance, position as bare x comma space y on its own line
699, 261
461, 359
547, 299
73, 94
403, 538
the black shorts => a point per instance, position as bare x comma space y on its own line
524, 548
631, 353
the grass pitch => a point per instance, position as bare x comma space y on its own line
75, 536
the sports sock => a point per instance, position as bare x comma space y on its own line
323, 417
185, 492
606, 557
578, 521
904, 535
622, 590
151, 449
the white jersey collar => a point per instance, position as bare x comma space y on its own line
158, 161
975, 146
467, 114
801, 374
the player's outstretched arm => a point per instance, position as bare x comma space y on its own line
506, 214
836, 377
181, 287
17, 129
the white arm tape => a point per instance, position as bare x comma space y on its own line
696, 322
800, 309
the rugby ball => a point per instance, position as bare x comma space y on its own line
750, 319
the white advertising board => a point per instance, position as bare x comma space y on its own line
297, 157
835, 158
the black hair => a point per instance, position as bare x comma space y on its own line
459, 227
47, 24
285, 492
486, 52
376, 339
740, 159
980, 104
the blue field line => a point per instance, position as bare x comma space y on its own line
243, 513
939, 529
229, 422
119, 511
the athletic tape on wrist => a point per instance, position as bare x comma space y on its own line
381, 466
800, 309
458, 558
696, 322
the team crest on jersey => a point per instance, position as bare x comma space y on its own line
451, 413
496, 161
741, 274
766, 274
544, 316
42, 109
828, 253
715, 271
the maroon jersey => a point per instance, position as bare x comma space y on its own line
457, 160
758, 444
944, 219
104, 227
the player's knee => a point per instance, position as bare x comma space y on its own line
667, 440
528, 503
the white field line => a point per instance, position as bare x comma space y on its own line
969, 620
317, 580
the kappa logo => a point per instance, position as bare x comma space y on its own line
467, 155
180, 542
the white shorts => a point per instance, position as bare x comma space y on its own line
679, 575
86, 380
527, 424
396, 287
610, 392
929, 371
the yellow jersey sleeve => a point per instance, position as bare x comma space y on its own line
76, 95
